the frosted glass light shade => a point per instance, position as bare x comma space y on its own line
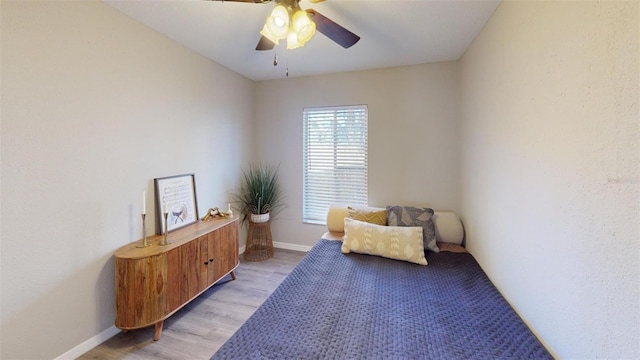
303, 26
301, 30
277, 24
292, 41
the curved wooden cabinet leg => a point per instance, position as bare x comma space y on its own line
233, 275
158, 332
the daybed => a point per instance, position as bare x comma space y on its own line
337, 305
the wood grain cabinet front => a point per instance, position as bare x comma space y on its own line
154, 282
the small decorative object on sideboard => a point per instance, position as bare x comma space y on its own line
165, 240
215, 212
144, 242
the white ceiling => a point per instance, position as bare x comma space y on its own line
393, 33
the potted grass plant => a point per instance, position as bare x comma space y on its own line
259, 196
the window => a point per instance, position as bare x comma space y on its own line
335, 159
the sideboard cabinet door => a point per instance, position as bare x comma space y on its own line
226, 251
174, 284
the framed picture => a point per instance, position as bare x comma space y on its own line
175, 195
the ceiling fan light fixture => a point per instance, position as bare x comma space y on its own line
292, 41
277, 25
302, 27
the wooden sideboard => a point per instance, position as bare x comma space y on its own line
154, 282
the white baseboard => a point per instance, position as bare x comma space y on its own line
295, 247
281, 245
89, 344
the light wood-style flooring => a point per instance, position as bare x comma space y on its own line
200, 328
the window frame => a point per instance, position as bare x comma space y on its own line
348, 139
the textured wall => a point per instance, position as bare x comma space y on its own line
413, 136
94, 106
550, 169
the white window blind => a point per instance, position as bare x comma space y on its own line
335, 159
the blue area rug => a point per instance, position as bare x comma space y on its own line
337, 306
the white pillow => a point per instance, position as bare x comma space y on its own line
448, 227
393, 242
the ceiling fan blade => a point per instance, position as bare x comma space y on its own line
316, 1
265, 44
332, 30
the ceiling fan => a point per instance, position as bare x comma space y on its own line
297, 26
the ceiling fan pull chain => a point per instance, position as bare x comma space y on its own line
275, 59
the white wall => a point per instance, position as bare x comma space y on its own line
550, 169
94, 106
413, 136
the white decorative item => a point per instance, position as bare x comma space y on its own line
229, 211
260, 218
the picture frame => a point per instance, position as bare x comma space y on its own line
178, 194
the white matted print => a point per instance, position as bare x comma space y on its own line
175, 195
